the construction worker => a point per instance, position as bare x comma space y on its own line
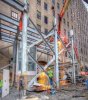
21, 86
51, 75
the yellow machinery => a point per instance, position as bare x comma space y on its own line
44, 81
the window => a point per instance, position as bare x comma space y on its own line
64, 21
38, 14
67, 15
72, 27
81, 50
45, 6
39, 27
58, 5
39, 2
63, 1
68, 34
64, 31
46, 31
68, 24
46, 20
53, 1
14, 15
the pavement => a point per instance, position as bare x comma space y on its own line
67, 93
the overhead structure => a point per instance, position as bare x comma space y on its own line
31, 41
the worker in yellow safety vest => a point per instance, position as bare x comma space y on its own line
51, 75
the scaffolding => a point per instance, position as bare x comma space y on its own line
31, 37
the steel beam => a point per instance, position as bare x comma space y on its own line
7, 35
24, 41
6, 47
8, 19
8, 28
7, 41
73, 58
7, 38
49, 63
42, 50
15, 4
40, 40
56, 58
5, 67
41, 36
39, 50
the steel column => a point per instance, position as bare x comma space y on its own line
73, 73
24, 40
56, 57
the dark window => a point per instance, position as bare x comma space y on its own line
45, 6
53, 1
39, 27
81, 50
38, 14
68, 34
14, 15
71, 11
64, 31
39, 2
46, 31
67, 15
64, 21
65, 54
63, 1
68, 24
46, 20
58, 5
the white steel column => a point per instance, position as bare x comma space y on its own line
56, 57
24, 40
73, 63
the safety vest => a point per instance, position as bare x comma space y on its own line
50, 73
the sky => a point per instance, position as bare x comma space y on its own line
86, 5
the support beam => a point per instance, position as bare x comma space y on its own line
8, 28
40, 40
6, 47
8, 35
15, 4
5, 66
49, 63
8, 19
42, 36
24, 41
72, 38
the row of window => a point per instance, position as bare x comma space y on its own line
39, 17
39, 27
46, 5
